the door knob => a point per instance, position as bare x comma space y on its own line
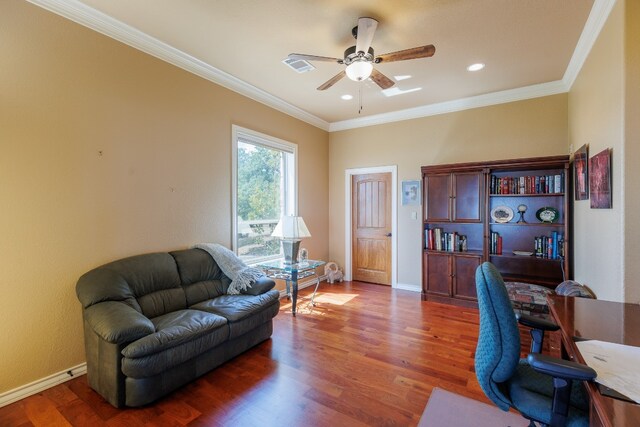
388, 234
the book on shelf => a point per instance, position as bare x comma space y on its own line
550, 247
531, 184
495, 244
438, 240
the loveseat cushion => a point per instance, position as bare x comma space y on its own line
201, 277
244, 312
103, 284
179, 336
118, 323
148, 283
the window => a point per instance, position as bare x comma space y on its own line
264, 189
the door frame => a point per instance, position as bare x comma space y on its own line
348, 174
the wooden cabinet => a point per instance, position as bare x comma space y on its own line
453, 204
437, 273
453, 197
463, 275
451, 276
462, 203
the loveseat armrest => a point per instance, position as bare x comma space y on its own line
260, 286
118, 323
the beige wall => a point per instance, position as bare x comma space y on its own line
107, 152
632, 152
536, 127
596, 117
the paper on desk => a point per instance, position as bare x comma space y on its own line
617, 365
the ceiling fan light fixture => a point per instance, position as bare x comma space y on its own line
359, 70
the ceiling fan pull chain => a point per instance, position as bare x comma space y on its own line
360, 97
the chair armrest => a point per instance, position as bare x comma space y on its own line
559, 368
118, 323
536, 322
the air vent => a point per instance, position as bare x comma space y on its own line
298, 65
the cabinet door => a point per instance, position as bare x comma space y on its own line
437, 197
467, 196
464, 276
437, 274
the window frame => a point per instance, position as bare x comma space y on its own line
291, 176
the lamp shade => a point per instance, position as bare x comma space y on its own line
359, 70
291, 227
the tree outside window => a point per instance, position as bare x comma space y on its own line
264, 192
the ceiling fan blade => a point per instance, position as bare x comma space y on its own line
381, 80
314, 58
333, 80
413, 53
366, 30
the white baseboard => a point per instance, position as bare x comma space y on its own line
42, 384
407, 287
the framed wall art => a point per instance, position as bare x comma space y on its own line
411, 193
600, 180
581, 173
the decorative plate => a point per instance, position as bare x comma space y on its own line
502, 214
523, 253
548, 214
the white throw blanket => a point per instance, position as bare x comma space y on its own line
233, 267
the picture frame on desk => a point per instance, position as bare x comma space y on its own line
581, 172
411, 194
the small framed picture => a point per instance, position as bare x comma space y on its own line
581, 173
600, 180
411, 194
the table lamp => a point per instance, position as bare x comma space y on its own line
291, 229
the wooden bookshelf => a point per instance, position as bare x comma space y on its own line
459, 198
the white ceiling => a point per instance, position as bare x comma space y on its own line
522, 42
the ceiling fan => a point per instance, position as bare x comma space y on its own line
360, 58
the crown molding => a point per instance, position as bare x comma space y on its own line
519, 94
596, 20
98, 21
104, 24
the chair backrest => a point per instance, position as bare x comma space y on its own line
498, 350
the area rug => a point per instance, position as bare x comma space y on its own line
446, 409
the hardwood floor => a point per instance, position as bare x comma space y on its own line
366, 355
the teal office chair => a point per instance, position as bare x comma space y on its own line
541, 388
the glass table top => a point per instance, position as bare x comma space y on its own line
279, 264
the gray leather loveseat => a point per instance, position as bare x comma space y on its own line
154, 322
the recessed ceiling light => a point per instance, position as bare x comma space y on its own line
400, 78
475, 67
346, 97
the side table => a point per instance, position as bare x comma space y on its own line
291, 274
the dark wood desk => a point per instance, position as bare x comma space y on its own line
605, 321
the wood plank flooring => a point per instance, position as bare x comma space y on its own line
366, 355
